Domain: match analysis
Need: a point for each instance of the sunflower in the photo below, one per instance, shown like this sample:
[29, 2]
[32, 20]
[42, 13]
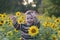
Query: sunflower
[33, 31]
[9, 33]
[54, 37]
[22, 17]
[20, 38]
[8, 18]
[10, 22]
[4, 16]
[57, 20]
[15, 30]
[20, 21]
[2, 22]
[39, 16]
[0, 15]
[48, 18]
[58, 33]
[47, 24]
[54, 26]
[24, 21]
[18, 13]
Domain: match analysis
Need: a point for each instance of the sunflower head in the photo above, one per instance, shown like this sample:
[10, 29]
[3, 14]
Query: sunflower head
[54, 37]
[2, 22]
[9, 33]
[10, 22]
[4, 16]
[20, 21]
[46, 24]
[0, 15]
[18, 13]
[57, 20]
[33, 31]
[15, 30]
[22, 17]
[54, 26]
[58, 33]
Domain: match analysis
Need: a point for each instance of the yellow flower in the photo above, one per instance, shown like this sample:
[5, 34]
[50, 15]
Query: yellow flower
[2, 22]
[20, 38]
[24, 21]
[15, 30]
[33, 31]
[58, 33]
[10, 22]
[18, 13]
[57, 20]
[54, 26]
[47, 24]
[0, 15]
[20, 21]
[48, 18]
[54, 37]
[22, 17]
[39, 16]
[9, 33]
[4, 16]
[8, 18]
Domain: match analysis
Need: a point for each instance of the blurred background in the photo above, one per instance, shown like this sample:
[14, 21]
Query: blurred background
[46, 7]
[49, 18]
[19, 5]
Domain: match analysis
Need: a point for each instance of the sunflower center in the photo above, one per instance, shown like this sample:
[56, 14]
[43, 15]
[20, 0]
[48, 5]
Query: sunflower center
[0, 15]
[20, 21]
[3, 16]
[33, 31]
[54, 38]
[18, 13]
[1, 21]
[57, 20]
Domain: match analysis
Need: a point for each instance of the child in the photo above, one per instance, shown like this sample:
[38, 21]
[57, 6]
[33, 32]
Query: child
[30, 20]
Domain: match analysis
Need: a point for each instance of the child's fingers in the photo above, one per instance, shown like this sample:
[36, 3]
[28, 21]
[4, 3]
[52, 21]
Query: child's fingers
[12, 17]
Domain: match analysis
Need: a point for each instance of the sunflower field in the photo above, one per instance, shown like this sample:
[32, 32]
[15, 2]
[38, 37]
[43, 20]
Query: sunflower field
[49, 27]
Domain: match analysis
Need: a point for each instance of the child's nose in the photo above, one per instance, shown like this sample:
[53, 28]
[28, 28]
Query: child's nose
[29, 19]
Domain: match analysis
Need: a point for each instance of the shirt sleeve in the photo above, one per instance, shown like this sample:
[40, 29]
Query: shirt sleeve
[17, 26]
[24, 28]
[38, 24]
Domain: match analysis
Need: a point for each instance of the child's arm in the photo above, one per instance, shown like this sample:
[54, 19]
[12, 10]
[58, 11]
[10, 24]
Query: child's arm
[15, 24]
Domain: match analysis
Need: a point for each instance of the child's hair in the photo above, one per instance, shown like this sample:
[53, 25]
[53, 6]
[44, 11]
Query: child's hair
[30, 11]
[33, 13]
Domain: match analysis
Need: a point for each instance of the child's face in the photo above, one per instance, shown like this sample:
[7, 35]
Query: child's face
[29, 19]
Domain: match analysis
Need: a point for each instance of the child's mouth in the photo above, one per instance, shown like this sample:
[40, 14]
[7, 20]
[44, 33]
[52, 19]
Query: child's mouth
[29, 22]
